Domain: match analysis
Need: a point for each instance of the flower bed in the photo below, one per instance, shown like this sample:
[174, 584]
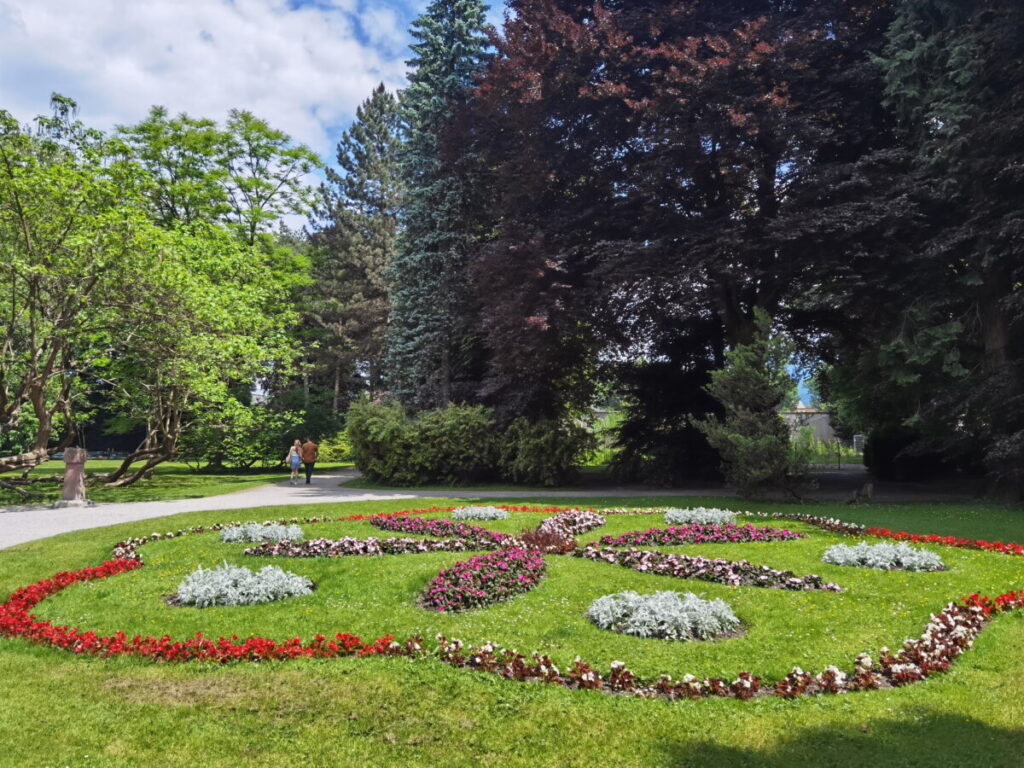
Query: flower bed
[479, 513]
[703, 515]
[234, 585]
[735, 573]
[572, 522]
[697, 533]
[669, 615]
[884, 556]
[484, 538]
[352, 547]
[257, 532]
[949, 541]
[484, 580]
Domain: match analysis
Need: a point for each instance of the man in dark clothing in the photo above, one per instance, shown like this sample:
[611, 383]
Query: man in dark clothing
[308, 452]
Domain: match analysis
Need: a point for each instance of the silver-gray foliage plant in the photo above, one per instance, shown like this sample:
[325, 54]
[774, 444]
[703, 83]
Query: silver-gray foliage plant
[886, 556]
[671, 615]
[479, 513]
[701, 515]
[234, 585]
[259, 532]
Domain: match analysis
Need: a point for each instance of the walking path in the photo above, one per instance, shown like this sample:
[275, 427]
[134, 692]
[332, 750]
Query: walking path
[18, 527]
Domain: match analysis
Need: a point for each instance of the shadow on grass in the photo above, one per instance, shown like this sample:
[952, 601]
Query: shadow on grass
[936, 740]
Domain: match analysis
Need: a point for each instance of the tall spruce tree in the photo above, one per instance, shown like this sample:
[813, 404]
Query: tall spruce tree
[355, 243]
[431, 321]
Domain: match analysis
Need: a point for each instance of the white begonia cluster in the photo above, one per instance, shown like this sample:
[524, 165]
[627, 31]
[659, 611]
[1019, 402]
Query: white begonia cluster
[234, 585]
[671, 615]
[257, 533]
[699, 515]
[886, 556]
[479, 513]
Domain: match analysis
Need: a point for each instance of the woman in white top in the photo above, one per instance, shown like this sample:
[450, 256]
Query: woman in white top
[294, 460]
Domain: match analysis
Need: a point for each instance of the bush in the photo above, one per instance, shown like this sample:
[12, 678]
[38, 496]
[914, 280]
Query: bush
[885, 556]
[336, 448]
[450, 445]
[702, 515]
[257, 532]
[479, 513]
[670, 615]
[542, 452]
[235, 585]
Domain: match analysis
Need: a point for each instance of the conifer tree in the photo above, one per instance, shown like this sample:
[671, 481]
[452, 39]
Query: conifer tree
[356, 241]
[431, 321]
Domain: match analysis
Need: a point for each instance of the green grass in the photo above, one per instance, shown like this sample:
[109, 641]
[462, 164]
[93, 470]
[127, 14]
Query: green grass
[381, 712]
[172, 480]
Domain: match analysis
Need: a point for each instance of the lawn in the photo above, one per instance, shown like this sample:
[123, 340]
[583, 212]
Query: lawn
[172, 480]
[85, 711]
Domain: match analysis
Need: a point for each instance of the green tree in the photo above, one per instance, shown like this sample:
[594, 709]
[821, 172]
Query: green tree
[751, 436]
[431, 315]
[355, 243]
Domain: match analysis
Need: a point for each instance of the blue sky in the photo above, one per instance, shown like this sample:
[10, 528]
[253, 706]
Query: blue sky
[303, 65]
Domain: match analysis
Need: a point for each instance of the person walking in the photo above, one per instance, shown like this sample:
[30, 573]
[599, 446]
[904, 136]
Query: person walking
[309, 452]
[294, 460]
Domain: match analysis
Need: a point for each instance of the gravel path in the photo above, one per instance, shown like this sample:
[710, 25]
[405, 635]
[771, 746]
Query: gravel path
[20, 526]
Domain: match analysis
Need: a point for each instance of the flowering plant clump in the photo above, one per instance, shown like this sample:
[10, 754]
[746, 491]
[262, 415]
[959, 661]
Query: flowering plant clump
[949, 541]
[700, 533]
[830, 524]
[484, 538]
[479, 513]
[257, 532]
[670, 615]
[733, 572]
[483, 580]
[235, 585]
[884, 556]
[550, 541]
[352, 547]
[699, 515]
[572, 522]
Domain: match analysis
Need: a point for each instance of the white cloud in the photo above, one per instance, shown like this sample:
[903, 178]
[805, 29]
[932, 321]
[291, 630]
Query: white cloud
[303, 69]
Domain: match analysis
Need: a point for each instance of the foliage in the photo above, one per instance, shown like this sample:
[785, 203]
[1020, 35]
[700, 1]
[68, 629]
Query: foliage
[479, 513]
[701, 515]
[669, 615]
[542, 452]
[259, 532]
[335, 448]
[235, 585]
[237, 435]
[885, 556]
[751, 437]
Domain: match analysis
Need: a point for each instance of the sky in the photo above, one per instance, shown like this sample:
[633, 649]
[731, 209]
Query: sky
[302, 65]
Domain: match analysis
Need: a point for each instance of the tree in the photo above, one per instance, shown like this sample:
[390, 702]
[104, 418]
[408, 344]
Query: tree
[79, 257]
[431, 340]
[751, 436]
[355, 244]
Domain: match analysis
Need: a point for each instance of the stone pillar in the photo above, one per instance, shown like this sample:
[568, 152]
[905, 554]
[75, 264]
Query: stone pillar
[73, 494]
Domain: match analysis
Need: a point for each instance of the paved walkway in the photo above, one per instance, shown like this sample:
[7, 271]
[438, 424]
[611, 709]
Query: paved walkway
[19, 527]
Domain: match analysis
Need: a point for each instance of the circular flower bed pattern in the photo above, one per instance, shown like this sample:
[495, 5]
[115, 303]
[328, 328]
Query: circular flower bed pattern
[949, 634]
[668, 615]
[479, 513]
[884, 556]
[234, 585]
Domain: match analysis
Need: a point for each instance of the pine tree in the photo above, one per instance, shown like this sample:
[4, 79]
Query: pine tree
[431, 320]
[356, 242]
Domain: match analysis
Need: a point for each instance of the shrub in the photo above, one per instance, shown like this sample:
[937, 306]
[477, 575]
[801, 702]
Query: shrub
[702, 515]
[335, 448]
[258, 532]
[670, 615]
[890, 557]
[483, 580]
[450, 445]
[479, 513]
[235, 585]
[542, 452]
